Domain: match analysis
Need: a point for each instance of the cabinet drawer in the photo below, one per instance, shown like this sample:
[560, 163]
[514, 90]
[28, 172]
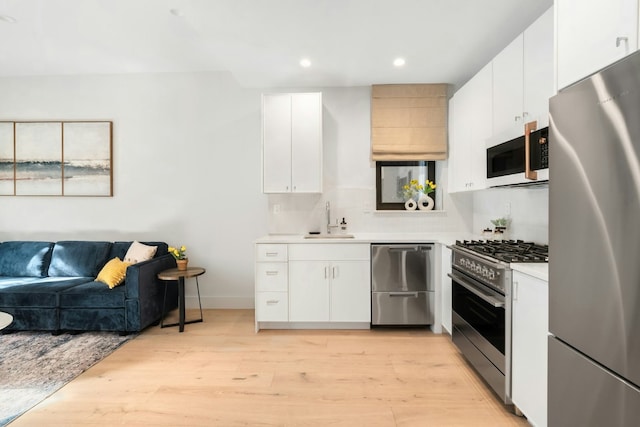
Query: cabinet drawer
[271, 252]
[272, 307]
[329, 252]
[271, 276]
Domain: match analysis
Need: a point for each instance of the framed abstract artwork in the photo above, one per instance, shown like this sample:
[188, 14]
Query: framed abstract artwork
[56, 158]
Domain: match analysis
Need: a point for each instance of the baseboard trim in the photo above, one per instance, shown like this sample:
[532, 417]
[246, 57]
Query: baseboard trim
[221, 302]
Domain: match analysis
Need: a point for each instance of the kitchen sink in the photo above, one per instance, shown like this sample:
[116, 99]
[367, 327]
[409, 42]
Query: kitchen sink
[328, 236]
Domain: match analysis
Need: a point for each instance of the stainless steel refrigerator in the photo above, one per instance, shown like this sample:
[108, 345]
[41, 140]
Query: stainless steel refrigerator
[594, 250]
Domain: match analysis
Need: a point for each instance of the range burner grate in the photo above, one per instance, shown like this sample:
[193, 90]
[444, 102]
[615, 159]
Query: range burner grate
[508, 250]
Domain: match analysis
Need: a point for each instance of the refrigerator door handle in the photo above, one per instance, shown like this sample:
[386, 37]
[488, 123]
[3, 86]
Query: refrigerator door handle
[528, 128]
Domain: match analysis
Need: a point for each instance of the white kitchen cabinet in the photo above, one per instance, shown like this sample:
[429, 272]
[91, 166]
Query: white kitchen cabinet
[508, 86]
[530, 327]
[523, 80]
[593, 34]
[470, 126]
[292, 143]
[446, 288]
[271, 283]
[329, 283]
[538, 70]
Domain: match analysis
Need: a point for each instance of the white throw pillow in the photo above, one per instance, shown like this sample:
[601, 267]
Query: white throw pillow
[138, 252]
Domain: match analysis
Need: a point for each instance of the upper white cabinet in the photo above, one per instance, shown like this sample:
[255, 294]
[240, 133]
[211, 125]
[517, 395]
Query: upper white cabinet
[529, 346]
[523, 79]
[538, 70]
[592, 35]
[470, 125]
[508, 86]
[292, 143]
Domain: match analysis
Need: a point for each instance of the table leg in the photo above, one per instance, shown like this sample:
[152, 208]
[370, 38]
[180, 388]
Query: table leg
[181, 302]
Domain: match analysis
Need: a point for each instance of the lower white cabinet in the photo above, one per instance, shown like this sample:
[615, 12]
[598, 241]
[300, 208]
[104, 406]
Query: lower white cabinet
[313, 283]
[530, 327]
[329, 283]
[329, 291]
[271, 283]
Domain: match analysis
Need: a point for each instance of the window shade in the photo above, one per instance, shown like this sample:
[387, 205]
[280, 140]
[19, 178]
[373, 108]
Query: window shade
[409, 122]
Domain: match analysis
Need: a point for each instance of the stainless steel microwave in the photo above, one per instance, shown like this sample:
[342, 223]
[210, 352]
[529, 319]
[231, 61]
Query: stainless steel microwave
[521, 160]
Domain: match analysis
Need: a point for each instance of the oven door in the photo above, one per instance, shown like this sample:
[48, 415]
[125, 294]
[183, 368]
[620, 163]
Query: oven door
[481, 331]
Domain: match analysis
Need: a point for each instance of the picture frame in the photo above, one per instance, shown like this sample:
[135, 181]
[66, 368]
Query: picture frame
[56, 158]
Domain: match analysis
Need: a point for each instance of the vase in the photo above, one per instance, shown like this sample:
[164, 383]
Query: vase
[182, 263]
[410, 205]
[425, 203]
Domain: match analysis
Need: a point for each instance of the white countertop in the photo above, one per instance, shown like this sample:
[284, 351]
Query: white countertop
[539, 270]
[446, 238]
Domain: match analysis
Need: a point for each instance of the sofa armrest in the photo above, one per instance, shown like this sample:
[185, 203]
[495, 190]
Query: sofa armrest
[142, 278]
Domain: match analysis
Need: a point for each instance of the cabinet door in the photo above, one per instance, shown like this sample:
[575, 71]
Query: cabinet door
[481, 86]
[446, 289]
[529, 346]
[306, 142]
[507, 87]
[538, 69]
[350, 291]
[309, 291]
[276, 143]
[459, 158]
[471, 127]
[590, 36]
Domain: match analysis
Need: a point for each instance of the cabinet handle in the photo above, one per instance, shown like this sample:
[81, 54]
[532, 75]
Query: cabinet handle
[334, 273]
[619, 40]
[272, 273]
[326, 272]
[271, 254]
[273, 302]
[528, 173]
[514, 291]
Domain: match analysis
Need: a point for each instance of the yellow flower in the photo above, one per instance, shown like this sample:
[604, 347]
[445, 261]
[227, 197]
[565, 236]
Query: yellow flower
[183, 248]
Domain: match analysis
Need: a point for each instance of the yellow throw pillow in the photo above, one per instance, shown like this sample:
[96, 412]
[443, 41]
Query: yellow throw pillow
[113, 273]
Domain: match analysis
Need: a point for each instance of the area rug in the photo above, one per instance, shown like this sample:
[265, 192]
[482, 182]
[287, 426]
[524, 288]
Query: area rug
[33, 365]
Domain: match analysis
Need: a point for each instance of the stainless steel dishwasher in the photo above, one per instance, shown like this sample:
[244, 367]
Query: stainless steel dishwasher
[402, 284]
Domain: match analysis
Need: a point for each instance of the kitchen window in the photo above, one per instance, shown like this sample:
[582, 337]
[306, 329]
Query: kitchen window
[391, 176]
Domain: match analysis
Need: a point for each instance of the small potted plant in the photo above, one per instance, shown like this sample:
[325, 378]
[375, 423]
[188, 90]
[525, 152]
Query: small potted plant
[180, 254]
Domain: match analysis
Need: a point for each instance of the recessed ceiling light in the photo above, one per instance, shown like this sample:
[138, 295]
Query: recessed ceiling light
[9, 19]
[176, 12]
[399, 62]
[305, 63]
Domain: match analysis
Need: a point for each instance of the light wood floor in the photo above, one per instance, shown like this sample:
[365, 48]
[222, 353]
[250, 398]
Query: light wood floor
[221, 373]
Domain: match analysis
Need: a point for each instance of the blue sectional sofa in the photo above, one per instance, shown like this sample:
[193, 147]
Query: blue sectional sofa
[49, 286]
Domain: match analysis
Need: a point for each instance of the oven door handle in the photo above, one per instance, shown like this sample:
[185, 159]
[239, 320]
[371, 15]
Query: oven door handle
[486, 297]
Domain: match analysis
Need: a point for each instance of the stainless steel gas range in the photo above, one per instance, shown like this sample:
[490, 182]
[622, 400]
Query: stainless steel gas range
[481, 304]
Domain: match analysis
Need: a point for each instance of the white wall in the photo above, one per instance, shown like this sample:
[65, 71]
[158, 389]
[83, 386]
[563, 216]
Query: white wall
[526, 207]
[186, 156]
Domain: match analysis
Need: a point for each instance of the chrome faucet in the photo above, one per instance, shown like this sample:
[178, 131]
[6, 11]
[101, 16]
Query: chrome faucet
[329, 225]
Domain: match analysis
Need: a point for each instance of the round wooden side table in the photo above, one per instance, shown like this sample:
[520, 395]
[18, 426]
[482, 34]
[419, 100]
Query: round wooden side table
[174, 274]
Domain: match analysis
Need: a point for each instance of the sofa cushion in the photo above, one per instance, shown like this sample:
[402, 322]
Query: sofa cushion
[139, 252]
[113, 273]
[92, 295]
[119, 249]
[25, 259]
[78, 258]
[30, 292]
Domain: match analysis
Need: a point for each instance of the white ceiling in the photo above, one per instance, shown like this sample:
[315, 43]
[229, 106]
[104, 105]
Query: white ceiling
[260, 42]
